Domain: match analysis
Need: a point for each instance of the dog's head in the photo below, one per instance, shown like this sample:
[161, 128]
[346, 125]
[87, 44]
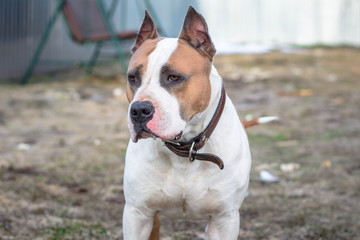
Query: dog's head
[168, 78]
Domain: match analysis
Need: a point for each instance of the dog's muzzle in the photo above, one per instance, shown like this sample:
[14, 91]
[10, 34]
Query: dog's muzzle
[141, 112]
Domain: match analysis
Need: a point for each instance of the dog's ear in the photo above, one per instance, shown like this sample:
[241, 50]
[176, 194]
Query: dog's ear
[146, 31]
[195, 32]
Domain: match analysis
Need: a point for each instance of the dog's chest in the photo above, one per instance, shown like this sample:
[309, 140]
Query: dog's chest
[192, 196]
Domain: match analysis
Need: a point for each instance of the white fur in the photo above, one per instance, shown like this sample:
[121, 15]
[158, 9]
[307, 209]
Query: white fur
[156, 180]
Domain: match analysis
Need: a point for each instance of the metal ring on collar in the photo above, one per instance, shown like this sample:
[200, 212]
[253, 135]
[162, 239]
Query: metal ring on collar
[191, 152]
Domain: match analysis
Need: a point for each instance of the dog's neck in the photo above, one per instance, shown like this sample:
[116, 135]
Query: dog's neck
[200, 121]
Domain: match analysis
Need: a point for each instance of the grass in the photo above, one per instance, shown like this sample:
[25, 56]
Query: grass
[266, 138]
[67, 187]
[76, 230]
[331, 134]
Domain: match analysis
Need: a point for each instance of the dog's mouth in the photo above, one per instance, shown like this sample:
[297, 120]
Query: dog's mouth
[143, 132]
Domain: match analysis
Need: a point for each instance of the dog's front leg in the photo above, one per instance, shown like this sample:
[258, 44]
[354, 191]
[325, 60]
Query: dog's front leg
[137, 225]
[224, 227]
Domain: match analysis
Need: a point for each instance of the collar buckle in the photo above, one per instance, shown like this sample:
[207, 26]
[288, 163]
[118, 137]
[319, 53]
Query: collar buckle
[191, 152]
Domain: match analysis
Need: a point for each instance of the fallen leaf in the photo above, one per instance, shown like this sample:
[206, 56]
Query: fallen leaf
[301, 92]
[338, 100]
[326, 163]
[265, 166]
[289, 143]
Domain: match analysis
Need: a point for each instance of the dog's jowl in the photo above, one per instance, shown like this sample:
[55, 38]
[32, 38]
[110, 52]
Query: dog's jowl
[188, 157]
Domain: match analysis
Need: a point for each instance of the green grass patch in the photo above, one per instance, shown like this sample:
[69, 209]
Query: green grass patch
[267, 139]
[331, 134]
[77, 230]
[181, 237]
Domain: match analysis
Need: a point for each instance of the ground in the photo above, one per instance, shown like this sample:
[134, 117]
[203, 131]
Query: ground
[64, 137]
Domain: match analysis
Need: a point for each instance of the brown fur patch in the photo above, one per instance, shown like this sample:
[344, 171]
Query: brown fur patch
[155, 233]
[194, 93]
[140, 57]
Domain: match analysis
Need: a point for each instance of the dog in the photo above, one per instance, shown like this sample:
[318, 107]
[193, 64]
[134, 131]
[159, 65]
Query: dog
[189, 156]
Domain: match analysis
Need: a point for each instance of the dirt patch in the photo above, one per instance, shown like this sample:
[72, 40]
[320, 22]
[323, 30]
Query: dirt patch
[63, 145]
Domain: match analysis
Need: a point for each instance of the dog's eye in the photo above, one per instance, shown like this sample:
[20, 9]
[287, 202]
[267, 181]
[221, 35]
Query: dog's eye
[132, 78]
[173, 78]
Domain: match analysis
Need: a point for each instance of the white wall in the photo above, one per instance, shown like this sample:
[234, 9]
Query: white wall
[284, 21]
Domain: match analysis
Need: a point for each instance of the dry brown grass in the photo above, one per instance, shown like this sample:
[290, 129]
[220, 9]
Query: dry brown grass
[68, 185]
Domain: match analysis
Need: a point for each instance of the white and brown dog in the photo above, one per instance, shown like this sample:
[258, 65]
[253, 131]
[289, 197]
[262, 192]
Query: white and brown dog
[181, 113]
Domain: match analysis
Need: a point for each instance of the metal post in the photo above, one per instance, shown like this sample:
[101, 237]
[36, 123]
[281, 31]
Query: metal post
[114, 38]
[98, 46]
[42, 43]
[113, 6]
[94, 57]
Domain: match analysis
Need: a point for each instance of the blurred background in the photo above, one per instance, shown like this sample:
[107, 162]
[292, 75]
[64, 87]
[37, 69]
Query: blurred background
[63, 108]
[296, 22]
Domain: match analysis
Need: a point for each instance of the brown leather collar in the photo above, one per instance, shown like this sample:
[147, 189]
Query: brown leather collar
[189, 149]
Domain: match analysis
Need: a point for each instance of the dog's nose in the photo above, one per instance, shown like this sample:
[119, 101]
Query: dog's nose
[141, 111]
